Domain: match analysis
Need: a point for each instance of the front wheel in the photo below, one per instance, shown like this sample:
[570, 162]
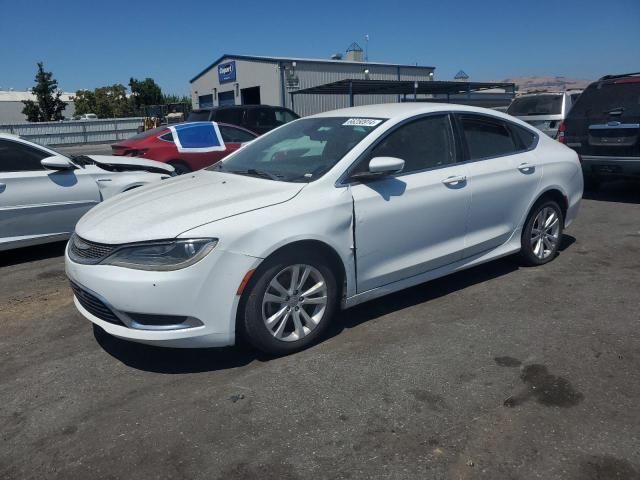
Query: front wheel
[290, 304]
[542, 233]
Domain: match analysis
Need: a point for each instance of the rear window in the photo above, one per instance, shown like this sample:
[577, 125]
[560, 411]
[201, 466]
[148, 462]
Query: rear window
[199, 116]
[599, 99]
[544, 104]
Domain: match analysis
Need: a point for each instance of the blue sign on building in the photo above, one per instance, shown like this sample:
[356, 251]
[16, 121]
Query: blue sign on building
[227, 72]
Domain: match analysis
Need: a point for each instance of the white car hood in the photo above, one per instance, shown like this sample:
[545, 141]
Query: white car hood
[132, 163]
[166, 209]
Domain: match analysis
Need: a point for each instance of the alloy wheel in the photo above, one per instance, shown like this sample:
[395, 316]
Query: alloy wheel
[294, 302]
[545, 233]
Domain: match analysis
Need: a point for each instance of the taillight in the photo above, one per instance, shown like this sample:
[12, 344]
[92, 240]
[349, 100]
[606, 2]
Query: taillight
[561, 130]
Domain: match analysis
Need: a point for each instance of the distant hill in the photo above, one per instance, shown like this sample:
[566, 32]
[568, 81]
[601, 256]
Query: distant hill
[531, 84]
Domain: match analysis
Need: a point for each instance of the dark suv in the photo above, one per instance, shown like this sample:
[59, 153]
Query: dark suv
[604, 128]
[257, 118]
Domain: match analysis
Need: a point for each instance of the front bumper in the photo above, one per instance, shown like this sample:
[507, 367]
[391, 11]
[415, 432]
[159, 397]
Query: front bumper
[611, 166]
[200, 301]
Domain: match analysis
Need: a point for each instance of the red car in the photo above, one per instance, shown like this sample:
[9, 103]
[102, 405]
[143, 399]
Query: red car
[157, 144]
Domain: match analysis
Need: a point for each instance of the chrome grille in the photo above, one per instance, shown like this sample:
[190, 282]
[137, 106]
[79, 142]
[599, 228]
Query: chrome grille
[84, 251]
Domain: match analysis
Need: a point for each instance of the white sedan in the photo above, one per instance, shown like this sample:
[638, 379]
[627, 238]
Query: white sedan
[320, 214]
[44, 193]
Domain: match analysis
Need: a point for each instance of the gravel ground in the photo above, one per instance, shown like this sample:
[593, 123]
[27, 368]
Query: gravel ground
[499, 372]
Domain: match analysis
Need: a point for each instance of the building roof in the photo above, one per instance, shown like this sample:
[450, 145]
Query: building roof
[19, 96]
[400, 87]
[259, 58]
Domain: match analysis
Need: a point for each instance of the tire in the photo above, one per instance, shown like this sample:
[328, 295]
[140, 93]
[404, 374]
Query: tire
[180, 166]
[538, 249]
[294, 324]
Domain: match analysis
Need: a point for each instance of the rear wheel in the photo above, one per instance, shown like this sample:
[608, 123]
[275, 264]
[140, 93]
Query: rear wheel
[290, 304]
[542, 233]
[180, 166]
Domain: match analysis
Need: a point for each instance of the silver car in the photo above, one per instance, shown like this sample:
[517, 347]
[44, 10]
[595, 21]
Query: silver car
[544, 111]
[43, 193]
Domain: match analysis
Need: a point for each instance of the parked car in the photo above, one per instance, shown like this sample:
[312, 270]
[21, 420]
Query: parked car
[43, 193]
[158, 144]
[604, 128]
[324, 213]
[256, 118]
[86, 116]
[545, 111]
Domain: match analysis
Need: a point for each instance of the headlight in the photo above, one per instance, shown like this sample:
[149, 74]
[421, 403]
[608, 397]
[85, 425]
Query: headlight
[170, 255]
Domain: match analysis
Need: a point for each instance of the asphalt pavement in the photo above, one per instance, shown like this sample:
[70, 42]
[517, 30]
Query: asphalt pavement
[498, 372]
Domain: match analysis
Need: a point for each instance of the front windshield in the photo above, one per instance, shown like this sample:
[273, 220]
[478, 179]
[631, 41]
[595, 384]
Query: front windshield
[301, 151]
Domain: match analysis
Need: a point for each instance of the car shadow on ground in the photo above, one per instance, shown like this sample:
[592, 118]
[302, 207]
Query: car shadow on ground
[197, 360]
[32, 254]
[620, 191]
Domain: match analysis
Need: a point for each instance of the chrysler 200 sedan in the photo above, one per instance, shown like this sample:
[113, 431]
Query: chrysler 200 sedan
[320, 214]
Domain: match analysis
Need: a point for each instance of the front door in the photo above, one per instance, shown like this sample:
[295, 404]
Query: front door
[35, 202]
[412, 222]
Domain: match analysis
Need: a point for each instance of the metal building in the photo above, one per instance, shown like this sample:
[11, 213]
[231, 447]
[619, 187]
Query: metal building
[248, 79]
[11, 105]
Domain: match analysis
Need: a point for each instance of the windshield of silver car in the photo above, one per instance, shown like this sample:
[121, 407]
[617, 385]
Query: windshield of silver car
[301, 151]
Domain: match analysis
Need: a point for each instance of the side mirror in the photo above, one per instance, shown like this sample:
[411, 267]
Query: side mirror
[57, 162]
[379, 167]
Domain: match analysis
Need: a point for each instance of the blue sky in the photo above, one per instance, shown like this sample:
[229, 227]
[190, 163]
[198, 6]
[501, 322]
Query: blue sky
[91, 43]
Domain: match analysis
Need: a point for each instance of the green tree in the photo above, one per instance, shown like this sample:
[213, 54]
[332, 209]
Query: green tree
[84, 102]
[145, 92]
[106, 102]
[48, 105]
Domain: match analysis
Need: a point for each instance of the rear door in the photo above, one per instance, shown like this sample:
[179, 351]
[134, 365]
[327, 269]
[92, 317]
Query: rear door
[35, 202]
[503, 173]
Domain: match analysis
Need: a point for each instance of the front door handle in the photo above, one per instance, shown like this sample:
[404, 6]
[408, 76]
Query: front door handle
[454, 180]
[526, 167]
[2, 187]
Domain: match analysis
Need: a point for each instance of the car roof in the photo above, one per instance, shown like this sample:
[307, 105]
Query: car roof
[404, 110]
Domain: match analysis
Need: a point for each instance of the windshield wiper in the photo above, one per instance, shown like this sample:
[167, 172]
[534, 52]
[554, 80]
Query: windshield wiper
[255, 173]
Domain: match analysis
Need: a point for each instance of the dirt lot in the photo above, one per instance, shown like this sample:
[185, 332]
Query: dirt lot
[499, 372]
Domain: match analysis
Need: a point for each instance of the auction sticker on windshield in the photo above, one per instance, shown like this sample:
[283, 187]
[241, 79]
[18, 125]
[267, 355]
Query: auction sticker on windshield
[363, 122]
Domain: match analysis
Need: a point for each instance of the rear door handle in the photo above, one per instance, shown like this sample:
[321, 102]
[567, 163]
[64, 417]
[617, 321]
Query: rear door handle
[454, 180]
[526, 167]
[2, 187]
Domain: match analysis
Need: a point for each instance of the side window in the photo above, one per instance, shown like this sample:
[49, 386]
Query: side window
[284, 116]
[167, 137]
[525, 137]
[232, 116]
[235, 135]
[422, 144]
[262, 118]
[487, 137]
[18, 157]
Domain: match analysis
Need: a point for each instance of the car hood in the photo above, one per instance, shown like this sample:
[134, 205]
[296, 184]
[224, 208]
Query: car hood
[112, 163]
[166, 209]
